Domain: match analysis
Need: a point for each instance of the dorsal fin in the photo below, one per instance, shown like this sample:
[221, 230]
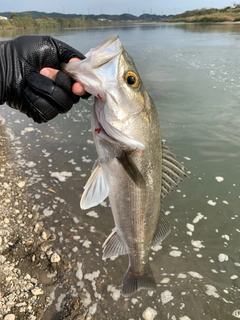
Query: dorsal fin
[172, 171]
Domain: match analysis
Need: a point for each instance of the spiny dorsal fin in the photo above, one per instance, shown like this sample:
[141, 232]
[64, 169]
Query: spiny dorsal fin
[172, 171]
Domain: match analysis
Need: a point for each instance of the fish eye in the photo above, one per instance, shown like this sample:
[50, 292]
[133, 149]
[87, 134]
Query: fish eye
[132, 79]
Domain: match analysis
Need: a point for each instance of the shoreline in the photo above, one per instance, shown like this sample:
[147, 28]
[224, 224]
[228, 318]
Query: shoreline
[30, 268]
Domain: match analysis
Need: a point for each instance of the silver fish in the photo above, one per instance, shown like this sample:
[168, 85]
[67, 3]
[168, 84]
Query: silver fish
[133, 169]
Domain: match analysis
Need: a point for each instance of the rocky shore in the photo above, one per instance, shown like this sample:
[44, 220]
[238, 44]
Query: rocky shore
[30, 269]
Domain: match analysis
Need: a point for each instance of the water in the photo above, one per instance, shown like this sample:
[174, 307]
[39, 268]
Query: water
[192, 74]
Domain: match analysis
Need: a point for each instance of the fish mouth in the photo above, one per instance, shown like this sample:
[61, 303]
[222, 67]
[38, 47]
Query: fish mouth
[108, 132]
[107, 51]
[97, 127]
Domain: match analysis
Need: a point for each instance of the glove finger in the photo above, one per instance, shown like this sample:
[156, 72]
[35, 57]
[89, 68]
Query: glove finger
[62, 97]
[39, 109]
[66, 52]
[65, 82]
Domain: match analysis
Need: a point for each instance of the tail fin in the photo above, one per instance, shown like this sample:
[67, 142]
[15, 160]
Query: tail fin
[133, 282]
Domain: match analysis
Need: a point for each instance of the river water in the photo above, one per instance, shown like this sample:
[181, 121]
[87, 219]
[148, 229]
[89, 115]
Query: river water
[192, 74]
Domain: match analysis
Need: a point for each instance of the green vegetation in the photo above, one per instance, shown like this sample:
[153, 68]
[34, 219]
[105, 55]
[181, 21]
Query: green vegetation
[35, 19]
[228, 14]
[26, 21]
[40, 20]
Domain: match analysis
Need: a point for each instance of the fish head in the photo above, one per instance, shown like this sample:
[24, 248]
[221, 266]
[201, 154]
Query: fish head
[126, 106]
[109, 73]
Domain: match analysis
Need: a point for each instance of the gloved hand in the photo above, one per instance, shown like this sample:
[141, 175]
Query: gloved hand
[22, 86]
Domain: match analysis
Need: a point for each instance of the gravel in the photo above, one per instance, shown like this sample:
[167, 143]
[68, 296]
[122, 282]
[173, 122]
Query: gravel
[27, 254]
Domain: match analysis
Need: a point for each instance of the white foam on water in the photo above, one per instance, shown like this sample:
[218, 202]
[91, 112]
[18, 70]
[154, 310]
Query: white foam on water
[182, 276]
[211, 203]
[149, 313]
[86, 244]
[212, 291]
[93, 309]
[236, 314]
[197, 243]
[59, 302]
[225, 236]
[30, 164]
[175, 253]
[166, 296]
[84, 159]
[66, 173]
[199, 217]
[219, 179]
[157, 247]
[134, 300]
[90, 141]
[195, 275]
[47, 212]
[114, 293]
[29, 129]
[72, 161]
[190, 227]
[79, 273]
[92, 214]
[214, 271]
[61, 176]
[75, 219]
[222, 257]
[92, 276]
[165, 280]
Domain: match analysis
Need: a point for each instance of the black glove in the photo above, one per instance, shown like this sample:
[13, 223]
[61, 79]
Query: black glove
[22, 86]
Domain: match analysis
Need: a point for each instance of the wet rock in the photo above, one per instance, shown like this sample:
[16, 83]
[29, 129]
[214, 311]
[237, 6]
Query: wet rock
[55, 257]
[21, 184]
[37, 291]
[9, 317]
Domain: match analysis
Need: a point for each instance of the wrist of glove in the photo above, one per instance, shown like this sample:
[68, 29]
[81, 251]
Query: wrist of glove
[22, 86]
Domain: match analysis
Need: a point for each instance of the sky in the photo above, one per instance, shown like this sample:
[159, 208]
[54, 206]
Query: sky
[135, 7]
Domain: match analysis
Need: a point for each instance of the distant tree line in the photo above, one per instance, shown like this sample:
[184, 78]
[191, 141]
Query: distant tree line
[35, 19]
[230, 14]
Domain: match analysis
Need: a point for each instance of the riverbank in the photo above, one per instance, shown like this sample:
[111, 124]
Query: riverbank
[213, 15]
[31, 270]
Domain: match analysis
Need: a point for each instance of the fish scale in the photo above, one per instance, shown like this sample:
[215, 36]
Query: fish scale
[133, 168]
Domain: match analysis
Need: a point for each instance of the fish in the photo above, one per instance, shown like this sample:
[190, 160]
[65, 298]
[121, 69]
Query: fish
[134, 169]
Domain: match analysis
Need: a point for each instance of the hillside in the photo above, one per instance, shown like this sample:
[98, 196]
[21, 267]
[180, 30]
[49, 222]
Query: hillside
[57, 15]
[227, 14]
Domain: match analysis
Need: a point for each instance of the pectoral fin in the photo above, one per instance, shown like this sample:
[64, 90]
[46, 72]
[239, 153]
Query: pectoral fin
[96, 189]
[131, 169]
[163, 229]
[113, 245]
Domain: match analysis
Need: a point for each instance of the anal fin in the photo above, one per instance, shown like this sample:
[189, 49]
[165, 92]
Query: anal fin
[113, 245]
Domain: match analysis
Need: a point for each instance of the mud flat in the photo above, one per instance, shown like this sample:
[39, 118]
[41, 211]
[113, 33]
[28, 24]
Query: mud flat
[30, 268]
